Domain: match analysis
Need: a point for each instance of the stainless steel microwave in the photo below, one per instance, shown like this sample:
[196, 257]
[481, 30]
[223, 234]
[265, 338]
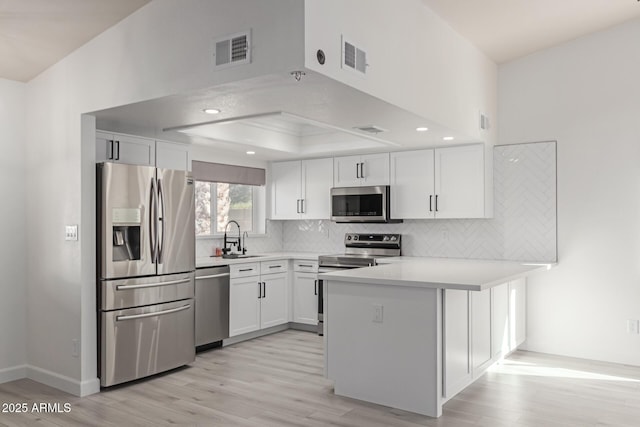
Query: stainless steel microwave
[361, 204]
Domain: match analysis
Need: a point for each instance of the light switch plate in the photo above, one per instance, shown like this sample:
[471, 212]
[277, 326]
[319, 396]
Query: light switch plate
[71, 232]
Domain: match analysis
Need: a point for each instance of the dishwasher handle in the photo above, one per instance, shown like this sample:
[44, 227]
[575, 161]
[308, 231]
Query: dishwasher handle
[212, 276]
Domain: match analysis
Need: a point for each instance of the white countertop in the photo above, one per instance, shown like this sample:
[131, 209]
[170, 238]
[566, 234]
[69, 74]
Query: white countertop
[445, 273]
[202, 262]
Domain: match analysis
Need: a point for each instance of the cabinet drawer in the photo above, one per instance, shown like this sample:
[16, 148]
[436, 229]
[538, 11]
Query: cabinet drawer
[305, 266]
[244, 270]
[278, 266]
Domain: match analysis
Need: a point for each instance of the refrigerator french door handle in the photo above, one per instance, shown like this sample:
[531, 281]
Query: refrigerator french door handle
[152, 220]
[162, 226]
[154, 314]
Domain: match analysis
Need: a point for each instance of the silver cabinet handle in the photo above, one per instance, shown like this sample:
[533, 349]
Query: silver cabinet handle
[259, 290]
[154, 314]
[246, 269]
[151, 285]
[436, 203]
[430, 200]
[110, 149]
[117, 150]
[305, 265]
[357, 170]
[212, 276]
[315, 287]
[362, 170]
[264, 289]
[275, 266]
[301, 205]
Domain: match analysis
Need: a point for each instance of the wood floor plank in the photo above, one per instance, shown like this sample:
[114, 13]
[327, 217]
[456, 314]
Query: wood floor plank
[277, 380]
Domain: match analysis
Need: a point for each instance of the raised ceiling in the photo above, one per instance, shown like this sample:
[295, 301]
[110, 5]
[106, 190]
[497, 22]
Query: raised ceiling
[508, 29]
[35, 34]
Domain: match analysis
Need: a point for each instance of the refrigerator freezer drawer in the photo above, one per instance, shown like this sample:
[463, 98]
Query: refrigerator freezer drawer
[143, 341]
[126, 293]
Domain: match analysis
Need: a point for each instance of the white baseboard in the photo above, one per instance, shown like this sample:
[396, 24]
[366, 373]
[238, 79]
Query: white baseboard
[13, 373]
[62, 382]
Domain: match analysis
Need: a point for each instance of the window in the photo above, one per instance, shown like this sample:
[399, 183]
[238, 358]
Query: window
[219, 203]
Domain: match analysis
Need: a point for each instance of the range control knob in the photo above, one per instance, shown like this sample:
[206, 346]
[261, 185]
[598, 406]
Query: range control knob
[349, 237]
[355, 237]
[394, 238]
[385, 239]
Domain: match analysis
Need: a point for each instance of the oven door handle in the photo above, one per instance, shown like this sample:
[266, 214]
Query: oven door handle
[154, 314]
[151, 285]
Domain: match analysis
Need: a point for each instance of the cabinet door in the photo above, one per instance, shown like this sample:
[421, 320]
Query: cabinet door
[244, 305]
[134, 151]
[517, 312]
[173, 156]
[274, 303]
[481, 330]
[285, 190]
[459, 181]
[346, 171]
[500, 321]
[305, 298]
[412, 187]
[317, 180]
[104, 147]
[375, 169]
[457, 366]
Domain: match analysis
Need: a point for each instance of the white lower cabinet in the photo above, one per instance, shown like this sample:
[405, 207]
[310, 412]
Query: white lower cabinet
[480, 328]
[244, 305]
[258, 301]
[273, 303]
[305, 298]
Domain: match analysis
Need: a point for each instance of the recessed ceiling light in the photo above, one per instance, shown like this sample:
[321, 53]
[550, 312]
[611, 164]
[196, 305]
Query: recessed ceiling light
[422, 129]
[251, 153]
[448, 138]
[211, 111]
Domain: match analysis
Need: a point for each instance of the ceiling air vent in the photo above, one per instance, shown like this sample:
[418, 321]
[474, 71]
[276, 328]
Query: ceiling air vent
[353, 57]
[371, 129]
[233, 50]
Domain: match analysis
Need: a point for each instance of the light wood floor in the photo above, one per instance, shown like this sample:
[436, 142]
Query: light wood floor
[277, 381]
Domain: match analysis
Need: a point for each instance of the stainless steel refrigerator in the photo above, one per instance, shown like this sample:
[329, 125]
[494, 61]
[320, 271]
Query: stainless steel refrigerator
[146, 264]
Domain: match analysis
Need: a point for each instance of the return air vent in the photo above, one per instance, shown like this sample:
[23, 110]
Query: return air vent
[233, 50]
[353, 57]
[371, 129]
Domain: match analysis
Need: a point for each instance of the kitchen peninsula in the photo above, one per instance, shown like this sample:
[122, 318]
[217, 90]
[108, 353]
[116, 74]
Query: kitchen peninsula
[413, 332]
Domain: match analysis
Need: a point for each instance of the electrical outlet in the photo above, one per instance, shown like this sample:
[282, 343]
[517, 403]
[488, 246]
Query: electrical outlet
[633, 326]
[71, 232]
[75, 348]
[377, 313]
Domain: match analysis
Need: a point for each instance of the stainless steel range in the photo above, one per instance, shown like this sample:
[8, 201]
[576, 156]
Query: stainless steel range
[361, 250]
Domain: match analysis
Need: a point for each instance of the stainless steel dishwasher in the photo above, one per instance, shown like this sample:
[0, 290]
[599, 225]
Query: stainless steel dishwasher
[212, 306]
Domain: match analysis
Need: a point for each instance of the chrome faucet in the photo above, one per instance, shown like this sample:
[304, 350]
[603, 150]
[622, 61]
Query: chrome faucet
[231, 240]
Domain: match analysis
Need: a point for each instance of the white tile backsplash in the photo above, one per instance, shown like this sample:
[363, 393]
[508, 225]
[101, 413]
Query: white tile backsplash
[523, 227]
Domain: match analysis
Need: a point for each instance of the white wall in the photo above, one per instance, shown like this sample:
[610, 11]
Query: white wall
[13, 285]
[162, 49]
[416, 60]
[585, 94]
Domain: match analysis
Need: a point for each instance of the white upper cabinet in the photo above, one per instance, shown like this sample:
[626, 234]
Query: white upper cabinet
[412, 184]
[438, 183]
[133, 150]
[460, 188]
[170, 155]
[300, 189]
[355, 171]
[125, 149]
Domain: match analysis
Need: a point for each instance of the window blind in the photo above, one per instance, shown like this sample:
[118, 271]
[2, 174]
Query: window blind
[232, 174]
